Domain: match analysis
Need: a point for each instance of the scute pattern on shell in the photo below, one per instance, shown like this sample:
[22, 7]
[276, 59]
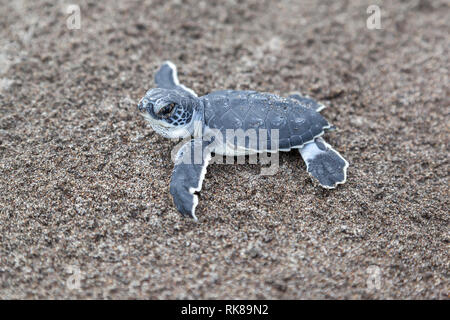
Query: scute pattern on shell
[297, 123]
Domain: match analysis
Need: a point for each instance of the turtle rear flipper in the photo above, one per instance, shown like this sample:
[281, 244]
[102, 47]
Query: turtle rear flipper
[308, 102]
[324, 163]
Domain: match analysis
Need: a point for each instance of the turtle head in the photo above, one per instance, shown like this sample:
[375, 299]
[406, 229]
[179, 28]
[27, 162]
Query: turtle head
[171, 112]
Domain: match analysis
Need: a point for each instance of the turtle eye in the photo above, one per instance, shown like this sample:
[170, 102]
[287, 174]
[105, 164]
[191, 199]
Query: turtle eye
[167, 110]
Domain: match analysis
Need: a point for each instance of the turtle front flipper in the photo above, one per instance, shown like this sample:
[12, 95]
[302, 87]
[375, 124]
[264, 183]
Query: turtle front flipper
[188, 174]
[167, 78]
[324, 163]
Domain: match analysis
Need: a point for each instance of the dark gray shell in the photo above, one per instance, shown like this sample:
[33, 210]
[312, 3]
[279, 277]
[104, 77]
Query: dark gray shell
[296, 122]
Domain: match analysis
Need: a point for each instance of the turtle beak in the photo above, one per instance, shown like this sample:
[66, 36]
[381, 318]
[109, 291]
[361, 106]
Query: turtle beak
[141, 106]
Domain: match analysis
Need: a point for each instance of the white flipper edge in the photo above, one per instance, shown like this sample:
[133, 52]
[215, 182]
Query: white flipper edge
[324, 163]
[175, 77]
[188, 176]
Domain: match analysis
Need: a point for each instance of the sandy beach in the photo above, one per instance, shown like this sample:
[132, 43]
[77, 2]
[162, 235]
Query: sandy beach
[85, 208]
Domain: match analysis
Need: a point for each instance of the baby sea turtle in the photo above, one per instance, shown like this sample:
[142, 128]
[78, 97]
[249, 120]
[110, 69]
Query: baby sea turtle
[175, 111]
